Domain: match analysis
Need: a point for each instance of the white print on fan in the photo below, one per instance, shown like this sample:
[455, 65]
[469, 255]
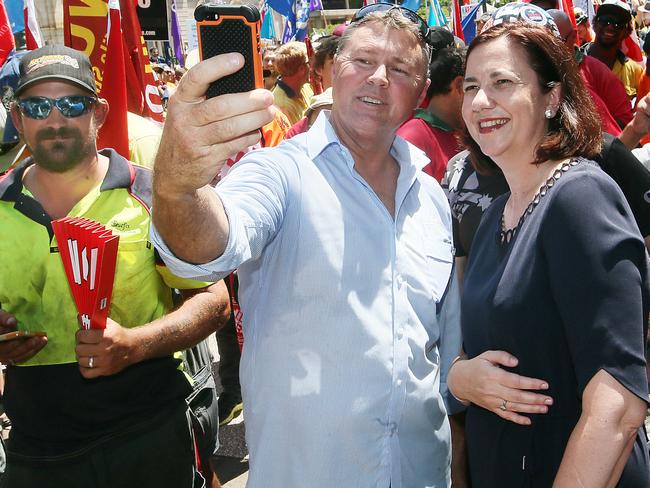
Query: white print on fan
[80, 264]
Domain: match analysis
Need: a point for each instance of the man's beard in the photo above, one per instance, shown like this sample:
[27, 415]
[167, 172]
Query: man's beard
[60, 157]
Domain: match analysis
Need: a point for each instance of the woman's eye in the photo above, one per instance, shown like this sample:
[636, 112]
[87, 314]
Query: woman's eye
[503, 82]
[470, 88]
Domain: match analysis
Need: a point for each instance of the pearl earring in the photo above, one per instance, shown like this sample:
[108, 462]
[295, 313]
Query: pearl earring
[549, 113]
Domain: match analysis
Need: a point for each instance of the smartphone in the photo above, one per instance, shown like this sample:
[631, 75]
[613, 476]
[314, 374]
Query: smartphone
[20, 334]
[231, 28]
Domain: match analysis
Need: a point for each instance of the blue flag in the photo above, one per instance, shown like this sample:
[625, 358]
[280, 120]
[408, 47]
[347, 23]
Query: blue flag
[469, 23]
[268, 28]
[437, 17]
[411, 4]
[295, 28]
[283, 7]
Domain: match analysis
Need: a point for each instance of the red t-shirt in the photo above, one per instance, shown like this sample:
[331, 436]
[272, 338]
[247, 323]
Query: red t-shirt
[438, 144]
[602, 81]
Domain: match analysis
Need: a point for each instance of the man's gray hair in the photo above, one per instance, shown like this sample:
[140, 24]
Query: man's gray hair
[393, 19]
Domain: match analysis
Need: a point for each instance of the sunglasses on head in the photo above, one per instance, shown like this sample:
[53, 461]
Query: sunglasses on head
[383, 7]
[613, 21]
[70, 106]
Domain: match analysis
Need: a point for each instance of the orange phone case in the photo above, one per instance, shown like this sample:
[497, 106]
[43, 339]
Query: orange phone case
[231, 28]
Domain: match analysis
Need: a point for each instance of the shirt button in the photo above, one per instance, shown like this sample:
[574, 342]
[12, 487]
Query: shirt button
[400, 332]
[398, 382]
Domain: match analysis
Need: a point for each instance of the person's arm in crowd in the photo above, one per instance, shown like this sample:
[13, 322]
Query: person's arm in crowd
[198, 137]
[639, 126]
[113, 349]
[601, 442]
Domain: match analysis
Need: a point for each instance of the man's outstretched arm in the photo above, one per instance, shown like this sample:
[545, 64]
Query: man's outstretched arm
[199, 136]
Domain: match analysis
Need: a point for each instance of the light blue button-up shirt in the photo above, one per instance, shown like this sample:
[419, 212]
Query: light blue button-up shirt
[346, 335]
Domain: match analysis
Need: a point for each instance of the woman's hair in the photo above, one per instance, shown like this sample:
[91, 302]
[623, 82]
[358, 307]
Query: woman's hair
[575, 130]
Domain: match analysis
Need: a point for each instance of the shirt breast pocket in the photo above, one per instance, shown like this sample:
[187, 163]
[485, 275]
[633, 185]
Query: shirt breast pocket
[436, 263]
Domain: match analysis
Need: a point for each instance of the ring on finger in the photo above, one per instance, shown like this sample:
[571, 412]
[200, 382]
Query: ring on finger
[504, 405]
[91, 362]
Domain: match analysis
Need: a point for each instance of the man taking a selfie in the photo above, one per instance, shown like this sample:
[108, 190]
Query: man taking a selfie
[344, 254]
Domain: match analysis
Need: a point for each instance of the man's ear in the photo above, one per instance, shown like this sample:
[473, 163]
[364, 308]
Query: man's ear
[335, 65]
[424, 92]
[457, 84]
[100, 111]
[16, 117]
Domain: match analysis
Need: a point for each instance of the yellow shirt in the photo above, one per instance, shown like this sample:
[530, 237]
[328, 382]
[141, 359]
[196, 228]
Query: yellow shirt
[630, 73]
[292, 104]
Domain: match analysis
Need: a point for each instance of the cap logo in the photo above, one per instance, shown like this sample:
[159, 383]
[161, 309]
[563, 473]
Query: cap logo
[49, 59]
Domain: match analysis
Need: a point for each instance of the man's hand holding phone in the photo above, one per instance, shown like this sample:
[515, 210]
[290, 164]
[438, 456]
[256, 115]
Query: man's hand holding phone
[200, 134]
[21, 348]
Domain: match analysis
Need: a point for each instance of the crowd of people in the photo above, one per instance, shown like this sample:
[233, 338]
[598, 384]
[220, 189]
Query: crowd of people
[434, 256]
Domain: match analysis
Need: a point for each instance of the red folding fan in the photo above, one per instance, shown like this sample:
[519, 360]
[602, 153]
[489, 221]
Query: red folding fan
[89, 254]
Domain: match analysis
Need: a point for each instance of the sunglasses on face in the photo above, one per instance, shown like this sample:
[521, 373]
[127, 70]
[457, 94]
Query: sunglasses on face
[613, 21]
[70, 106]
[383, 7]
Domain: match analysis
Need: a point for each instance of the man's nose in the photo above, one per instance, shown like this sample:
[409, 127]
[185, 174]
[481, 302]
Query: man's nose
[380, 75]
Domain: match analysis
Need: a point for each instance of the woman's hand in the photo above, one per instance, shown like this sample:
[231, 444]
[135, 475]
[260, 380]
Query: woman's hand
[482, 382]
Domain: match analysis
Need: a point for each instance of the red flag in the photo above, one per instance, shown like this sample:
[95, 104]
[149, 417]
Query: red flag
[7, 43]
[114, 132]
[142, 92]
[458, 20]
[567, 7]
[631, 47]
[86, 30]
[33, 37]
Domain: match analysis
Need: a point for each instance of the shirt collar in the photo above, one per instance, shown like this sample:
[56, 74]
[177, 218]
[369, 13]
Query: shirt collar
[322, 134]
[287, 89]
[432, 120]
[119, 175]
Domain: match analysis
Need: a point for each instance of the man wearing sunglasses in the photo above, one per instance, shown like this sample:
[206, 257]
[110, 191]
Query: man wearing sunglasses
[344, 254]
[612, 25]
[89, 408]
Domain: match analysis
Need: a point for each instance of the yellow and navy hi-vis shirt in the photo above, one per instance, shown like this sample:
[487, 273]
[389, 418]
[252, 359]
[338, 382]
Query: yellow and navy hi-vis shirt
[33, 287]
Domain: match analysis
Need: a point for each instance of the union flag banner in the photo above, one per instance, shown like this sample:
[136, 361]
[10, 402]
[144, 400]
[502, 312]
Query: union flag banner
[33, 37]
[90, 28]
[142, 92]
[7, 43]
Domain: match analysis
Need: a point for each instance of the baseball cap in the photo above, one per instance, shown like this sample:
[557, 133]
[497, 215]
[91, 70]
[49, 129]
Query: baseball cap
[440, 38]
[615, 7]
[56, 62]
[522, 12]
[322, 100]
[580, 15]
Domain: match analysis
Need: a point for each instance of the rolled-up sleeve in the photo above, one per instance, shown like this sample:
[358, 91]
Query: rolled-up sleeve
[255, 197]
